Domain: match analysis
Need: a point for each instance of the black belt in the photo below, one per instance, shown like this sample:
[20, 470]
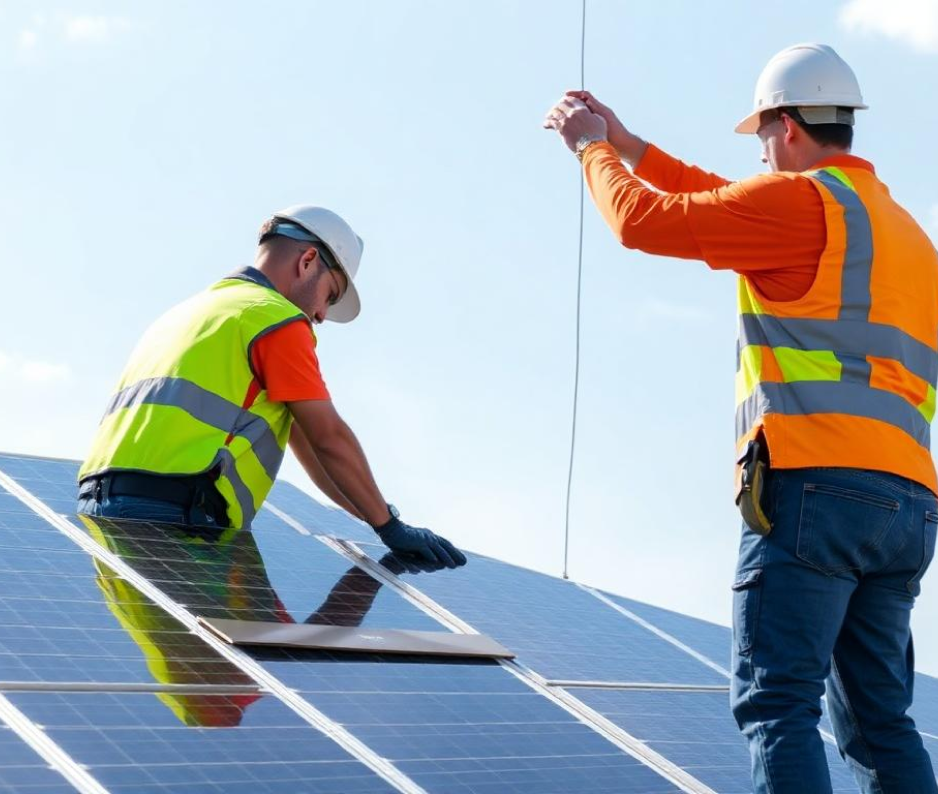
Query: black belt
[189, 491]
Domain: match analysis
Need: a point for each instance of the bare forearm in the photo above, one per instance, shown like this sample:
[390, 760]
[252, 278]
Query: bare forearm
[312, 466]
[344, 462]
[630, 147]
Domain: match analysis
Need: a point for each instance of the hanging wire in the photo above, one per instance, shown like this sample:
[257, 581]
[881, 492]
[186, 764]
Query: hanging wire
[579, 287]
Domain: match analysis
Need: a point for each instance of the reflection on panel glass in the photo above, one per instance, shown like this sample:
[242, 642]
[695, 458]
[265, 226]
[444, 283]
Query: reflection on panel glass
[130, 743]
[61, 620]
[22, 770]
[559, 630]
[696, 731]
[224, 574]
[710, 639]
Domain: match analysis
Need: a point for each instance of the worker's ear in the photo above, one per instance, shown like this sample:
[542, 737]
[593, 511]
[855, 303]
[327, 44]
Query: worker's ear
[791, 129]
[307, 261]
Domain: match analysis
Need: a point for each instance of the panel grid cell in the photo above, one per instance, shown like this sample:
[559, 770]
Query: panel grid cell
[205, 743]
[556, 628]
[23, 771]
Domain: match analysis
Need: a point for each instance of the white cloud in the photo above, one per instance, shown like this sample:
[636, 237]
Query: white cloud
[17, 367]
[912, 21]
[93, 29]
[26, 39]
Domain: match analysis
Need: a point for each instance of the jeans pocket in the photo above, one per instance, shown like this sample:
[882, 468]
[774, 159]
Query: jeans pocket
[930, 529]
[747, 597]
[842, 529]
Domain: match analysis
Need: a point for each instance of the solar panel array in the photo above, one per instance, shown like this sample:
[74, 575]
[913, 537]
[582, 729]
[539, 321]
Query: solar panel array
[108, 683]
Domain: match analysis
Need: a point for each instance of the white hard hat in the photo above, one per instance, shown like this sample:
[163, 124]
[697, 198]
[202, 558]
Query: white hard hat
[806, 75]
[344, 245]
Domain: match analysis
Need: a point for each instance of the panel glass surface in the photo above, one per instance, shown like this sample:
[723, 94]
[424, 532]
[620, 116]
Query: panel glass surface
[461, 727]
[925, 708]
[557, 629]
[696, 731]
[66, 617]
[52, 481]
[236, 745]
[269, 574]
[709, 639]
[22, 770]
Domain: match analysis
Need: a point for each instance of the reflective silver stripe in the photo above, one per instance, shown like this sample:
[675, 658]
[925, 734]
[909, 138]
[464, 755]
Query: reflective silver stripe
[855, 299]
[832, 397]
[242, 492]
[848, 338]
[208, 408]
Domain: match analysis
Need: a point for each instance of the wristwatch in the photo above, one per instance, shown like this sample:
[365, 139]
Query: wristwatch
[583, 143]
[395, 513]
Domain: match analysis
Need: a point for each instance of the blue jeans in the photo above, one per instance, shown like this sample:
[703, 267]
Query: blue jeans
[826, 598]
[141, 508]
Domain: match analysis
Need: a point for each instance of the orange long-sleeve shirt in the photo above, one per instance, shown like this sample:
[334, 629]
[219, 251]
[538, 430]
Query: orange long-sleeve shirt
[769, 227]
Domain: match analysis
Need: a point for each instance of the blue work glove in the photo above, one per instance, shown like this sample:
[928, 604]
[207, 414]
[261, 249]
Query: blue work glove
[401, 537]
[398, 563]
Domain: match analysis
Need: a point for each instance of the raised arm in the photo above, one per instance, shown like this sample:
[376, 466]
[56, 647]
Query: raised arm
[764, 227]
[647, 161]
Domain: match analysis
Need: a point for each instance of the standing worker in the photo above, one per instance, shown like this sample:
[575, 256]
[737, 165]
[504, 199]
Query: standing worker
[198, 425]
[835, 392]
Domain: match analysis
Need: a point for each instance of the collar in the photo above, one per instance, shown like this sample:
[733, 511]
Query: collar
[844, 161]
[253, 275]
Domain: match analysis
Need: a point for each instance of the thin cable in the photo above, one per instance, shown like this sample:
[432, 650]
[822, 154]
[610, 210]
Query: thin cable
[579, 289]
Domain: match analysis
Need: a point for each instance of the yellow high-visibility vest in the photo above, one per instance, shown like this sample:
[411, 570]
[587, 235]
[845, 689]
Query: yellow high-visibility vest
[188, 401]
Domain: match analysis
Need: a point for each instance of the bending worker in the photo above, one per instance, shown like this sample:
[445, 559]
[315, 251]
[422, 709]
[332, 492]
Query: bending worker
[198, 425]
[835, 391]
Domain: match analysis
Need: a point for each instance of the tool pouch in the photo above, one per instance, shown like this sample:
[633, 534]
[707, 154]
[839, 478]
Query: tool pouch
[751, 470]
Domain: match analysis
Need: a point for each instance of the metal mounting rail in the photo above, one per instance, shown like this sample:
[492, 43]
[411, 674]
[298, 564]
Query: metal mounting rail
[640, 686]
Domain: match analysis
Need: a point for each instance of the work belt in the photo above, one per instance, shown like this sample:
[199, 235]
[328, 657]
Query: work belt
[752, 468]
[196, 492]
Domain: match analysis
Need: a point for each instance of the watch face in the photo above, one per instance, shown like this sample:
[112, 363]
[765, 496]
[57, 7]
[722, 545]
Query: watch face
[395, 513]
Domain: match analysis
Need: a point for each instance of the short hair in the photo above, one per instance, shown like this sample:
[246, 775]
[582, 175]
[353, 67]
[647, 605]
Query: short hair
[839, 135]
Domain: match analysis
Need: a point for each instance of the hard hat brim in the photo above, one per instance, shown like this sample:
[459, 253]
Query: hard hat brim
[346, 309]
[750, 124]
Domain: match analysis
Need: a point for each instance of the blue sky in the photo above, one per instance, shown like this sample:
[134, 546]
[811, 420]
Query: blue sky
[143, 144]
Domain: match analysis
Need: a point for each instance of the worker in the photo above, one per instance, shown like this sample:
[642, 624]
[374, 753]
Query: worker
[219, 385]
[835, 391]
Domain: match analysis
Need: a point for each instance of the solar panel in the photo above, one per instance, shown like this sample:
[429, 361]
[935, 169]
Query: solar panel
[99, 645]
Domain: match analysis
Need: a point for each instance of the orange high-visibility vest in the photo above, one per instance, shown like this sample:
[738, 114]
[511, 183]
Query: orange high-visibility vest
[845, 375]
